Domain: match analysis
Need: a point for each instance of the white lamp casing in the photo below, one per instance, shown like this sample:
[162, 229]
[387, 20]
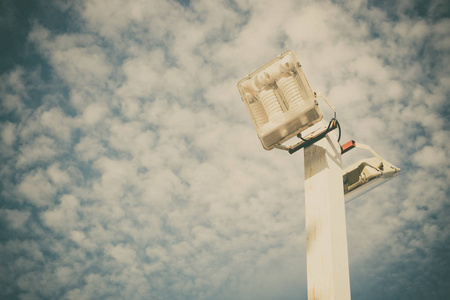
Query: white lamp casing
[279, 100]
[367, 174]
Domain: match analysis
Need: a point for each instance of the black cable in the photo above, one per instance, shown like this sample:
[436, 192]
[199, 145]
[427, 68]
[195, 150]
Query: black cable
[331, 123]
[339, 126]
[300, 137]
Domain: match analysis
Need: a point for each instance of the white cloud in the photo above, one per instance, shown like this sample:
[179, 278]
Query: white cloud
[57, 176]
[80, 238]
[94, 113]
[14, 80]
[157, 253]
[37, 189]
[94, 286]
[8, 134]
[13, 91]
[429, 157]
[64, 216]
[57, 123]
[89, 148]
[144, 74]
[64, 275]
[42, 149]
[123, 254]
[76, 57]
[16, 218]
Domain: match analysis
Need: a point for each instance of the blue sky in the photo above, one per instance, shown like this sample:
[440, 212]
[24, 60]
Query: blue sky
[131, 170]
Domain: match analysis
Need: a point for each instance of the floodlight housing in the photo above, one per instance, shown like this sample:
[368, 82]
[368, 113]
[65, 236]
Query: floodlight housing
[279, 100]
[366, 174]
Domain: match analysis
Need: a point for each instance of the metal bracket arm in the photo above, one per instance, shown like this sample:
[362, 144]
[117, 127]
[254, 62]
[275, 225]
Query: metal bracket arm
[352, 144]
[314, 138]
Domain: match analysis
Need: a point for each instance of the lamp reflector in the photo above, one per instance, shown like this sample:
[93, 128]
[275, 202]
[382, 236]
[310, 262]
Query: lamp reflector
[366, 175]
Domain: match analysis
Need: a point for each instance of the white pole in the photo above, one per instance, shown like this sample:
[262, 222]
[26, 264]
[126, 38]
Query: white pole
[326, 235]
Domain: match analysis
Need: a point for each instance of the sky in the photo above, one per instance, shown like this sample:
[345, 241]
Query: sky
[130, 168]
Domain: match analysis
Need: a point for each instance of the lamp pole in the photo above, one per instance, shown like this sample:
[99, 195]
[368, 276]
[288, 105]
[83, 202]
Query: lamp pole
[283, 105]
[326, 235]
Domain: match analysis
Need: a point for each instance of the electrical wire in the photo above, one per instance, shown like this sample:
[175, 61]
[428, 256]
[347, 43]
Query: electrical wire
[339, 127]
[300, 137]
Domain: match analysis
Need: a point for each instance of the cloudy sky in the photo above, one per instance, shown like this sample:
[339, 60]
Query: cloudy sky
[130, 168]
